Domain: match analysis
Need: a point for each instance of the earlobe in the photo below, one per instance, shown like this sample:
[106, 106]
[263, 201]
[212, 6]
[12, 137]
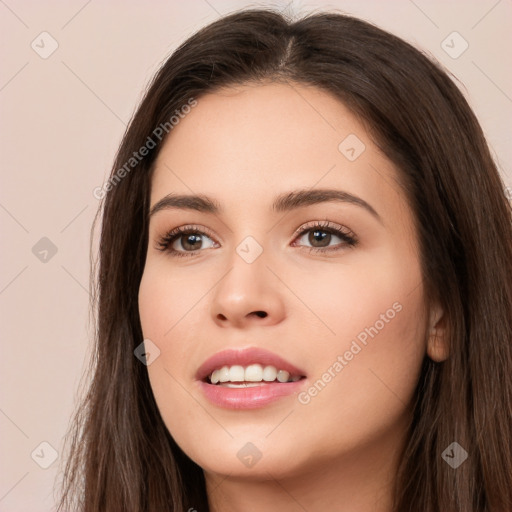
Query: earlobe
[437, 345]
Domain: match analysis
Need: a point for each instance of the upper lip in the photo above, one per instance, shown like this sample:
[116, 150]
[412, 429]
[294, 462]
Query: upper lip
[245, 357]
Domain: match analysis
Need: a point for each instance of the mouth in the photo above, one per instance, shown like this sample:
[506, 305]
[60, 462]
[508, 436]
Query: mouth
[238, 376]
[250, 366]
[248, 378]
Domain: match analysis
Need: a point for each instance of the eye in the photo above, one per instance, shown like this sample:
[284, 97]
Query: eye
[188, 237]
[320, 235]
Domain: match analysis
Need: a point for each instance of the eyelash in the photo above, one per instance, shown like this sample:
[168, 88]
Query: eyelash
[349, 238]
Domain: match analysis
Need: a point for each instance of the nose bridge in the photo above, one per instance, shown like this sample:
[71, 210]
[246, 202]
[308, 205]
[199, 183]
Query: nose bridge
[247, 275]
[249, 289]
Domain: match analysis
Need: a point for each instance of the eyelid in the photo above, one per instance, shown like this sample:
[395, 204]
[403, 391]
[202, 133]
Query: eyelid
[347, 235]
[180, 230]
[191, 227]
[324, 224]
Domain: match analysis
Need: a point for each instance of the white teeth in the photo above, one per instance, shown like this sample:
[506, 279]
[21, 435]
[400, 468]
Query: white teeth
[252, 373]
[283, 376]
[269, 374]
[237, 373]
[214, 377]
[224, 374]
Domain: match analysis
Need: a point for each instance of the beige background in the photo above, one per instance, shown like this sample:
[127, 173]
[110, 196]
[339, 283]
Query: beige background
[62, 118]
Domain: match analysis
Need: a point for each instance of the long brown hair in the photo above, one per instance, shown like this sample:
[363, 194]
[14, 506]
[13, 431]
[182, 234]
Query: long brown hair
[121, 455]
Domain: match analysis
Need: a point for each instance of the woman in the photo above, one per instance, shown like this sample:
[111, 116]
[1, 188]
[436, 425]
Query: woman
[305, 285]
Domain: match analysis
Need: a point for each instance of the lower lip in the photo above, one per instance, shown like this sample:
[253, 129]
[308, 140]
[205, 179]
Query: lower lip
[251, 397]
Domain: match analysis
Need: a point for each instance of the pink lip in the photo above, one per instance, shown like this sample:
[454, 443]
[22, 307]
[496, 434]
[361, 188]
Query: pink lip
[251, 397]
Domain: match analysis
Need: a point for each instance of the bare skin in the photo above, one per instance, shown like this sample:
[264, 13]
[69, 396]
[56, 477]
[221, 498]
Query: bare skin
[337, 446]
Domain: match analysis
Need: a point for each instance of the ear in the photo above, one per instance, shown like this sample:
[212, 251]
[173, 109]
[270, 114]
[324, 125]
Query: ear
[437, 344]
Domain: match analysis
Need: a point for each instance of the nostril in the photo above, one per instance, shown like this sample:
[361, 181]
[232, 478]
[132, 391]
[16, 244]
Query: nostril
[261, 314]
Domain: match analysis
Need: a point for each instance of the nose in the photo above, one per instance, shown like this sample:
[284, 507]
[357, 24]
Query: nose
[248, 294]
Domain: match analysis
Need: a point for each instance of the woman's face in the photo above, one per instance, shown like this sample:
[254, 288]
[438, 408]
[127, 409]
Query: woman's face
[311, 256]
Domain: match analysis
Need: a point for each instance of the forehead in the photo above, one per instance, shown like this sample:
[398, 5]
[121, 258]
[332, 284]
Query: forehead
[247, 122]
[248, 143]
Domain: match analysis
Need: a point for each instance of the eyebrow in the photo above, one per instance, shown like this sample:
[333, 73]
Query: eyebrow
[282, 203]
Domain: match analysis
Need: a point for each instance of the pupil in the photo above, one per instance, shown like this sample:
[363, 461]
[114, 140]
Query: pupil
[190, 239]
[319, 236]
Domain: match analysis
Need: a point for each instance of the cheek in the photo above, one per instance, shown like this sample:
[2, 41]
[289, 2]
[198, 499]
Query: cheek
[366, 370]
[363, 301]
[170, 304]
[169, 308]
